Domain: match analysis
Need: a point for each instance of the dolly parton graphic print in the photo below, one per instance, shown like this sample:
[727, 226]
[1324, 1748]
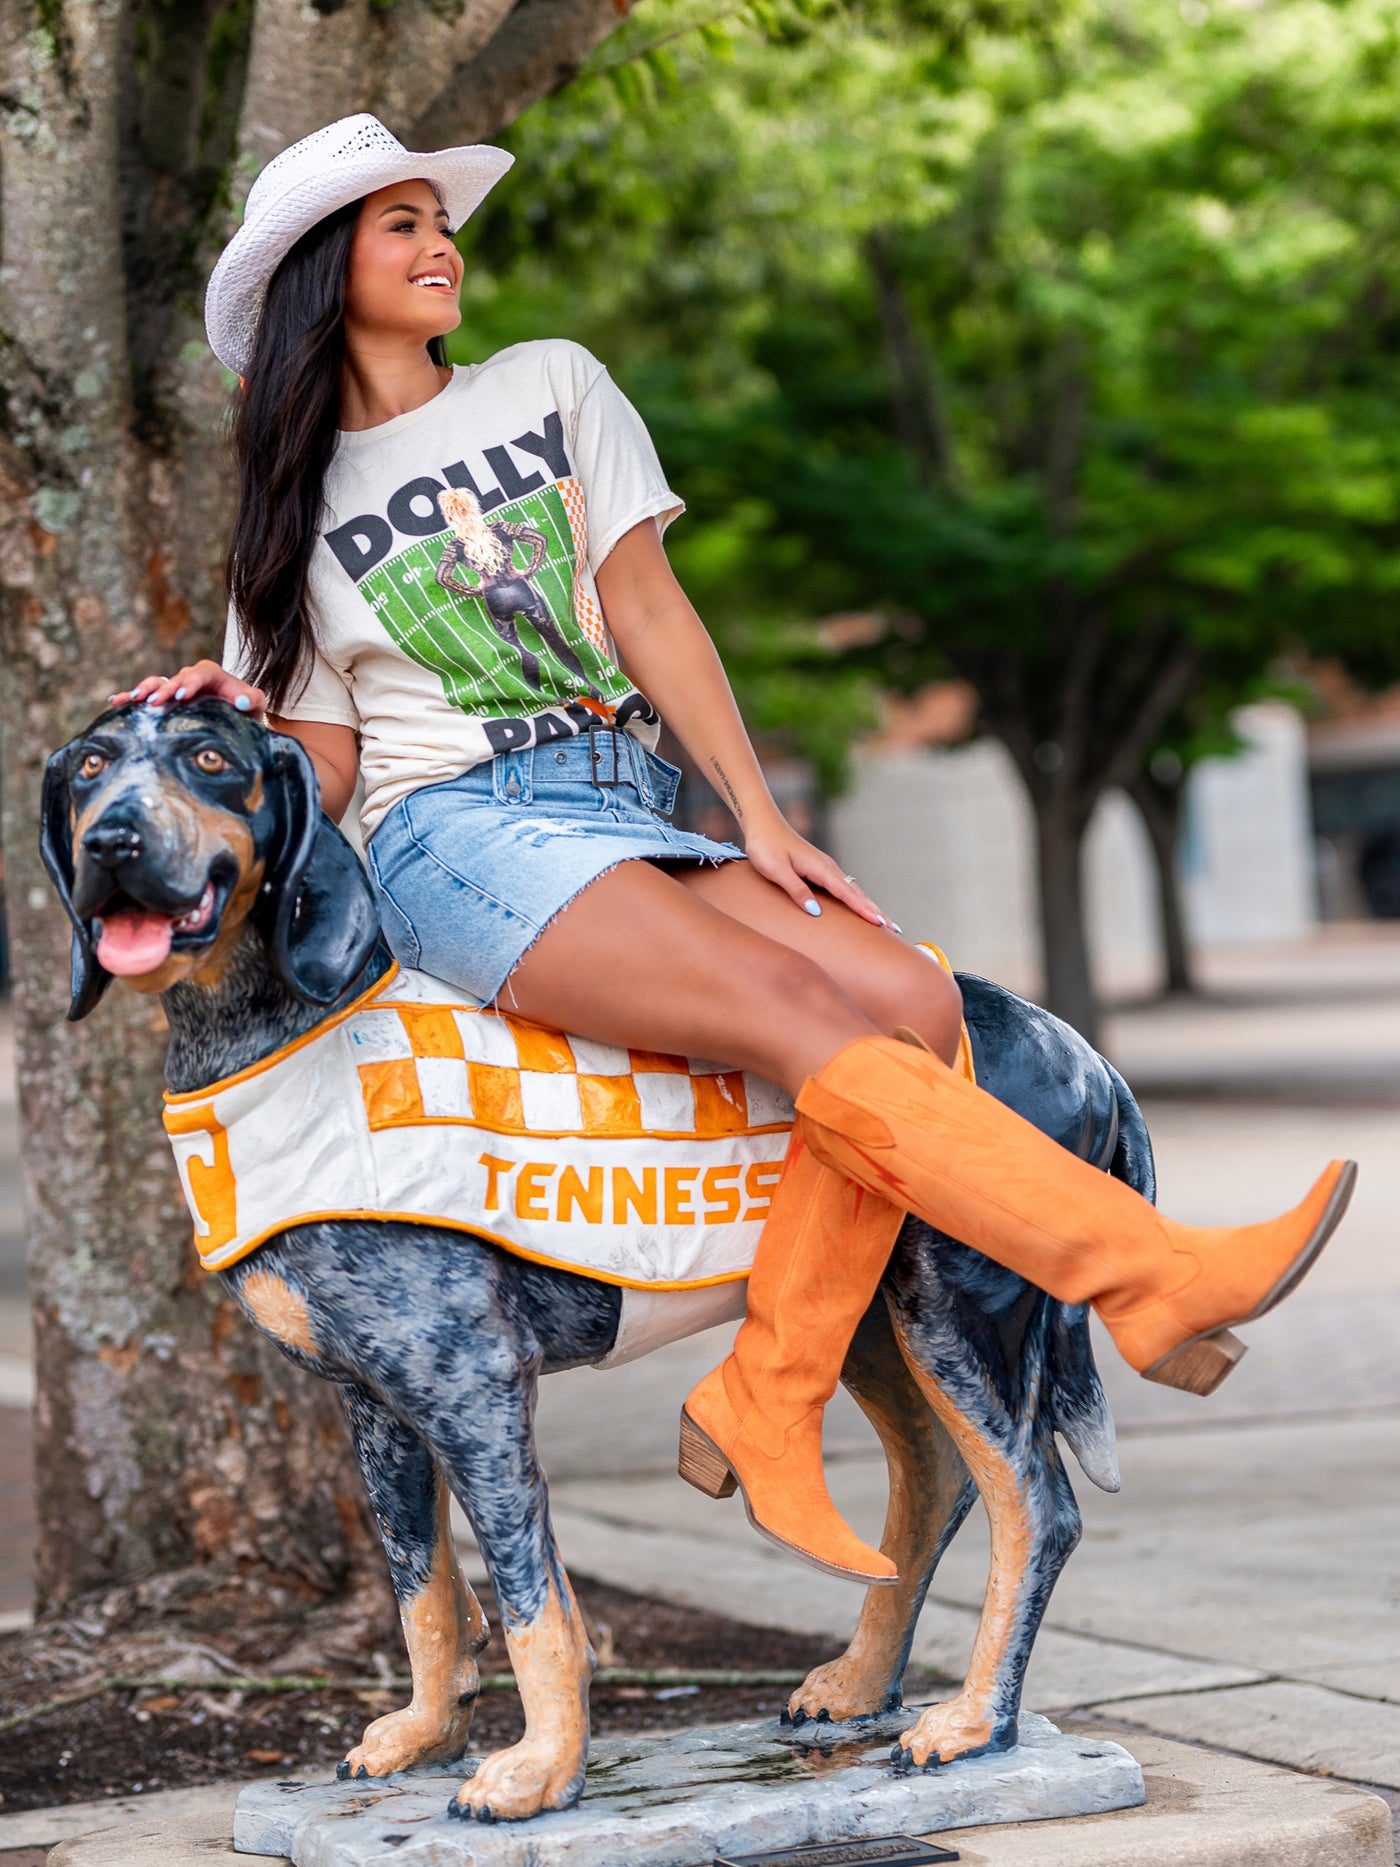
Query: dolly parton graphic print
[455, 613]
[494, 607]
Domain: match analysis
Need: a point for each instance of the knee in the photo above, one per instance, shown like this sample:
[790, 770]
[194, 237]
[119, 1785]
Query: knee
[919, 993]
[804, 989]
[786, 1016]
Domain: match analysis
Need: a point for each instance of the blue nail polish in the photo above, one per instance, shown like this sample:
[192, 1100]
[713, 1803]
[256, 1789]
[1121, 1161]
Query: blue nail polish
[812, 907]
[898, 929]
[180, 692]
[243, 703]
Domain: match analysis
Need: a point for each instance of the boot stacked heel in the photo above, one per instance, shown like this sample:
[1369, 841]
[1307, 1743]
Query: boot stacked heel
[702, 1464]
[785, 1498]
[1198, 1367]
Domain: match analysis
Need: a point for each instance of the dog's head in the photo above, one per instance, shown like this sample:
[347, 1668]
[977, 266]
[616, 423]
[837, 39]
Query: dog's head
[165, 830]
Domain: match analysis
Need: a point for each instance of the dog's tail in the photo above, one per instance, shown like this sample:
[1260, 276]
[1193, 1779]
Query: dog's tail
[1077, 1404]
[1076, 1397]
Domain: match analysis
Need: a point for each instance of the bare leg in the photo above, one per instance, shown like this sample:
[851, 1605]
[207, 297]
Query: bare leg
[642, 958]
[892, 981]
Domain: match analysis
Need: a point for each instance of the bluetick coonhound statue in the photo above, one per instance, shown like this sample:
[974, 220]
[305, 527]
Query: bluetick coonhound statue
[200, 834]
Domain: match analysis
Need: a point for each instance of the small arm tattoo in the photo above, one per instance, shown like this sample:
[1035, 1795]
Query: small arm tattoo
[734, 803]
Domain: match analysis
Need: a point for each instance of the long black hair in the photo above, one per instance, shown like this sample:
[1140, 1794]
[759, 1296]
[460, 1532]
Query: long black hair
[284, 437]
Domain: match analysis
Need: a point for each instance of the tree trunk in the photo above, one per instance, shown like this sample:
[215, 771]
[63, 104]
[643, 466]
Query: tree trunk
[1162, 809]
[173, 1443]
[1069, 985]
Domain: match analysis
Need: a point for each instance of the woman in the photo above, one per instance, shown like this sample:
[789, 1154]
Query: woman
[429, 571]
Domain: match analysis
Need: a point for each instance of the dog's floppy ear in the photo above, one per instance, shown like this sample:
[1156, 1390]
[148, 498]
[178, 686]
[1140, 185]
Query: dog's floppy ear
[89, 979]
[323, 922]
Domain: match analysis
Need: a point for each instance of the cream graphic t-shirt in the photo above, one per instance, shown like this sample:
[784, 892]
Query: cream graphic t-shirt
[452, 586]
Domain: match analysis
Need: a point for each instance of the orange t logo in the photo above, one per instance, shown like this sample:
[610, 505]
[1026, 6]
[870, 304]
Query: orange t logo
[207, 1174]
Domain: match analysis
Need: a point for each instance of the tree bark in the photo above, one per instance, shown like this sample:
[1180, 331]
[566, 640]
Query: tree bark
[1078, 708]
[180, 1458]
[1162, 807]
[170, 1440]
[1069, 983]
[920, 418]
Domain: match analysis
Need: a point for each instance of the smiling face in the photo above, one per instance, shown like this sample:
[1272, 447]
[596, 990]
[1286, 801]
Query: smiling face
[404, 273]
[169, 827]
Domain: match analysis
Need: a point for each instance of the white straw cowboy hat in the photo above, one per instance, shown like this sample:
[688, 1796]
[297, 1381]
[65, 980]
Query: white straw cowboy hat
[324, 171]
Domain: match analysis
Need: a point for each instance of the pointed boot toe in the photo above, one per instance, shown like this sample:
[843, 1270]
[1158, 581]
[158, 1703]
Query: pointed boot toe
[1242, 1274]
[784, 1493]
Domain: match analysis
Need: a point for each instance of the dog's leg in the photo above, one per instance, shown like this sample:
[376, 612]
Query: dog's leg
[930, 1494]
[443, 1330]
[465, 1370]
[991, 1409]
[502, 1489]
[553, 1663]
[443, 1625]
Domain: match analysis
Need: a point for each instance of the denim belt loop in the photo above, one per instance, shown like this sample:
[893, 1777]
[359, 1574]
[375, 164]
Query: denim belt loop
[615, 758]
[513, 776]
[641, 776]
[664, 780]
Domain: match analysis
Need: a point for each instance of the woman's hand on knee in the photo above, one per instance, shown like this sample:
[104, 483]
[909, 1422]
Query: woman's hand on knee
[798, 867]
[200, 677]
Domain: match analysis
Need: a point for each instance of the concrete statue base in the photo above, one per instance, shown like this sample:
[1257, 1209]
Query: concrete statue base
[677, 1800]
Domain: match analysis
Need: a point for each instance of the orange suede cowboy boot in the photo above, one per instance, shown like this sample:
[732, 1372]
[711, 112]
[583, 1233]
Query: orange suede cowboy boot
[756, 1421]
[917, 1133]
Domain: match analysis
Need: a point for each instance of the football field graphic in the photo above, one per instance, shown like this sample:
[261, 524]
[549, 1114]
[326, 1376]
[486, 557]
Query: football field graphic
[455, 636]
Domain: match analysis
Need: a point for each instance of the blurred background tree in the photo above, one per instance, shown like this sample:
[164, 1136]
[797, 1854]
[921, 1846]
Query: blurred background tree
[1066, 348]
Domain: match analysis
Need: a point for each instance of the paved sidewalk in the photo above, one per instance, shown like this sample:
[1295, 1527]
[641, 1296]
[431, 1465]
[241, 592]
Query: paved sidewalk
[1312, 1022]
[1243, 1592]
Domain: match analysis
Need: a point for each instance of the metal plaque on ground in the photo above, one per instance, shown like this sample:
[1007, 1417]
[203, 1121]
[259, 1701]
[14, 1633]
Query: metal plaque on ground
[879, 1851]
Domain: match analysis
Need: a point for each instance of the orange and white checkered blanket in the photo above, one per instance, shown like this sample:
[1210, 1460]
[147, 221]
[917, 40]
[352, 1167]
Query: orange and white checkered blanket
[649, 1171]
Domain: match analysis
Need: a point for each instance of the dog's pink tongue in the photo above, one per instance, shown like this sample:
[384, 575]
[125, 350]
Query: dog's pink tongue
[134, 941]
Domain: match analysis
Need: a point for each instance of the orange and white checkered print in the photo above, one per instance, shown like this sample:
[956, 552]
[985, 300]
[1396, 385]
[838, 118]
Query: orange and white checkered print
[587, 612]
[422, 1064]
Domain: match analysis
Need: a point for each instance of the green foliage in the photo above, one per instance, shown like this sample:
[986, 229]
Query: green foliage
[1072, 334]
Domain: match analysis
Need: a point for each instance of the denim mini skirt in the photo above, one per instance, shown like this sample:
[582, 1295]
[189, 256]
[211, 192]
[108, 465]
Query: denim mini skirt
[470, 872]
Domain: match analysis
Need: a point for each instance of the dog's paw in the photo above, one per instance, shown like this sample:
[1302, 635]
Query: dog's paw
[512, 1785]
[837, 1691]
[402, 1738]
[944, 1733]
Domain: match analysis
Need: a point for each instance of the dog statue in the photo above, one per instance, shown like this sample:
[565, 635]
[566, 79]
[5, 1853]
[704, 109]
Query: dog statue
[194, 839]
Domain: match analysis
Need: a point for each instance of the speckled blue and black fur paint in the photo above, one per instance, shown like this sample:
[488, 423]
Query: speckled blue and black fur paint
[447, 1337]
[438, 1340]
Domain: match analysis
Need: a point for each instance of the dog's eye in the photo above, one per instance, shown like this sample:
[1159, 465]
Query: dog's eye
[210, 761]
[92, 765]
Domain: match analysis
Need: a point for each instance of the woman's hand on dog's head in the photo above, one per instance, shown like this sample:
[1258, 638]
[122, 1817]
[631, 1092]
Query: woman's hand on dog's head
[201, 677]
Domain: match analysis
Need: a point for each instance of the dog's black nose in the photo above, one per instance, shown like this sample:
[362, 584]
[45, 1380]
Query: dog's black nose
[112, 843]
